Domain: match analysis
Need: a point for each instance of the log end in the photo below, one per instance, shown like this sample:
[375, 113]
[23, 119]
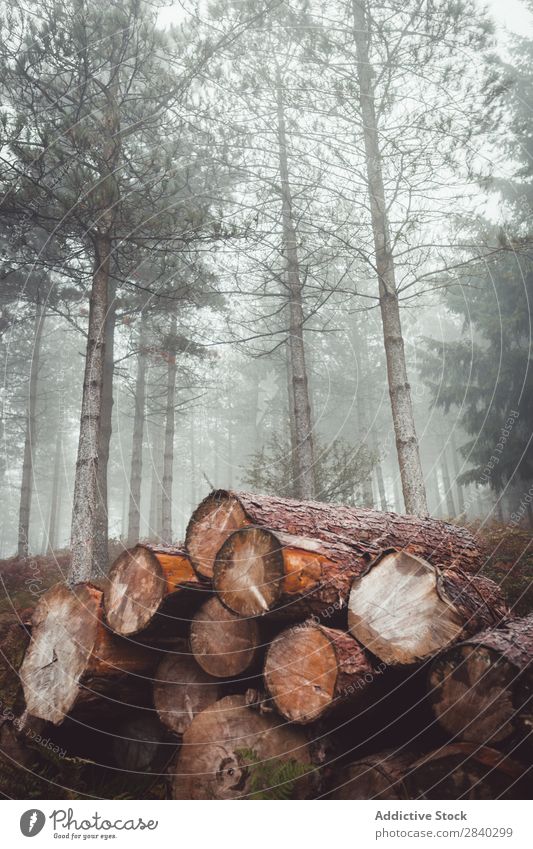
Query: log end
[233, 752]
[223, 644]
[472, 694]
[301, 673]
[249, 572]
[215, 518]
[181, 691]
[396, 610]
[137, 586]
[66, 623]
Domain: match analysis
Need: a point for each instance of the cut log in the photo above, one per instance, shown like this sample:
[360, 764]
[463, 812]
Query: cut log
[74, 659]
[182, 690]
[374, 777]
[224, 512]
[231, 751]
[404, 609]
[257, 571]
[141, 744]
[482, 689]
[467, 771]
[310, 669]
[223, 644]
[144, 581]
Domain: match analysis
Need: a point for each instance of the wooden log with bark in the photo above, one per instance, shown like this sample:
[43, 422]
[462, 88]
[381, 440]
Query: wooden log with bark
[404, 609]
[182, 689]
[311, 669]
[231, 751]
[380, 776]
[258, 571]
[74, 660]
[149, 585]
[467, 771]
[223, 644]
[225, 511]
[142, 744]
[482, 689]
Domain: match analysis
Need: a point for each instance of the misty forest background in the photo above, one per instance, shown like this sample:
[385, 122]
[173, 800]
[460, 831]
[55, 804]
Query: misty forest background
[281, 246]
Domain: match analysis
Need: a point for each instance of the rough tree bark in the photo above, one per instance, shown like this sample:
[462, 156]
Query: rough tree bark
[101, 541]
[156, 501]
[400, 393]
[404, 609]
[258, 572]
[303, 426]
[481, 690]
[168, 455]
[134, 513]
[26, 486]
[214, 761]
[55, 497]
[85, 505]
[311, 670]
[224, 512]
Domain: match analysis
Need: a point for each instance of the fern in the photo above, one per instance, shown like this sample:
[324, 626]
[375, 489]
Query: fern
[274, 780]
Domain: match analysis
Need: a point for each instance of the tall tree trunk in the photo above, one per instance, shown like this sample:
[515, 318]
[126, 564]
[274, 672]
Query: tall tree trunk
[456, 472]
[292, 423]
[168, 456]
[381, 483]
[104, 439]
[397, 495]
[86, 501]
[155, 484]
[400, 393]
[230, 447]
[55, 498]
[303, 427]
[134, 514]
[29, 439]
[450, 506]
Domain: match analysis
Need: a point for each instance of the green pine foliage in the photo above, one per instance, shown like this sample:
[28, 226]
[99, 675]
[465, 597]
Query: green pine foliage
[272, 779]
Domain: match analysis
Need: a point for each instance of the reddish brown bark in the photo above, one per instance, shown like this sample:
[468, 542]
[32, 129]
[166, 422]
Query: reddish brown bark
[257, 571]
[224, 511]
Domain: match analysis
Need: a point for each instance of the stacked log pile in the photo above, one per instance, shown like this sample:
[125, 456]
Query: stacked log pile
[291, 650]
